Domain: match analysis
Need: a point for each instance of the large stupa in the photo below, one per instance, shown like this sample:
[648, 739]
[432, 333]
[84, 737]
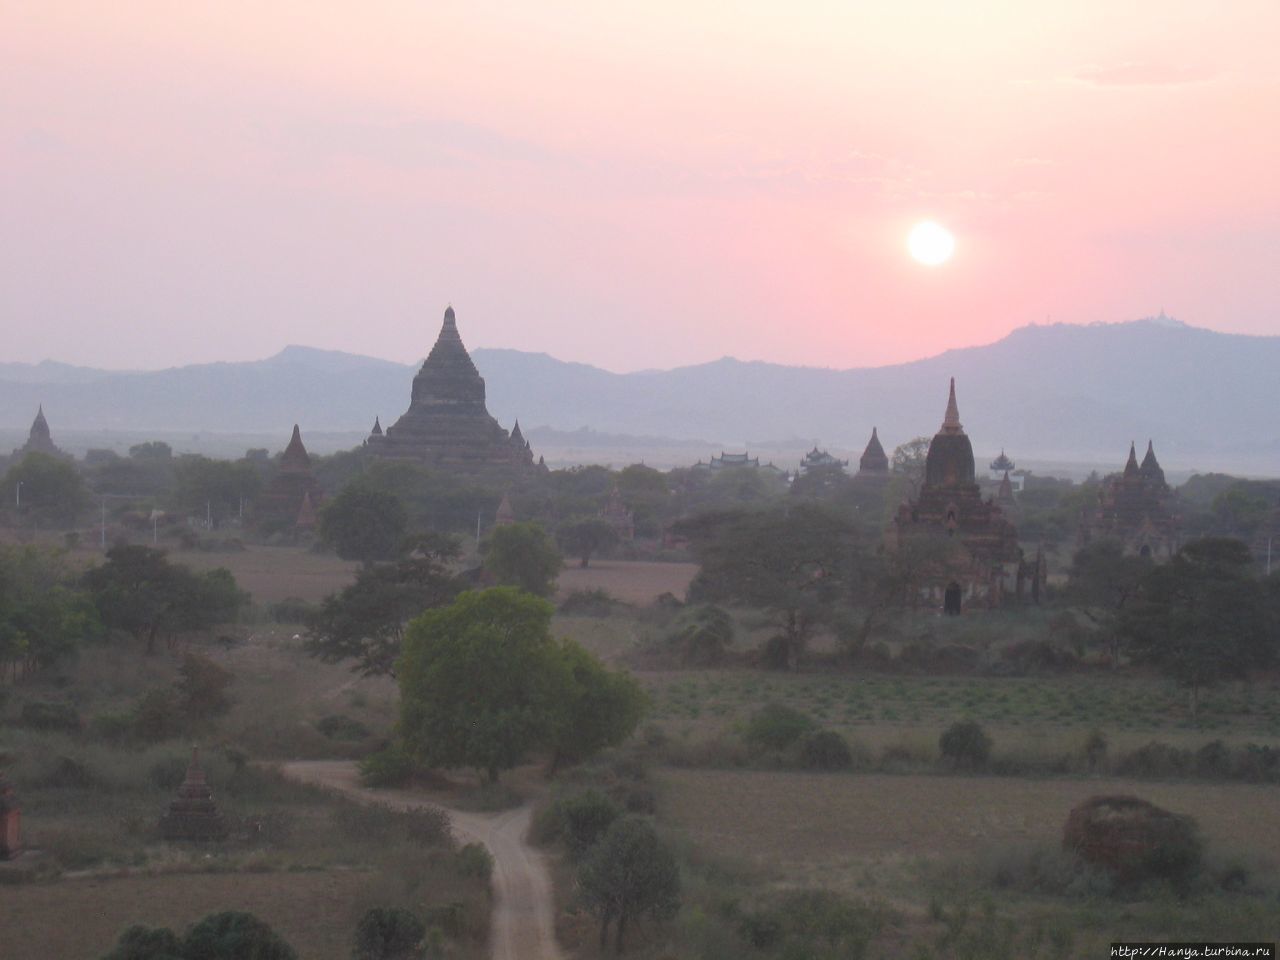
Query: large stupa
[447, 425]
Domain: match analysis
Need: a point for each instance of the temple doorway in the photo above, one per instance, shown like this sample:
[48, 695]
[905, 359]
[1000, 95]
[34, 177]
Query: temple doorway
[951, 600]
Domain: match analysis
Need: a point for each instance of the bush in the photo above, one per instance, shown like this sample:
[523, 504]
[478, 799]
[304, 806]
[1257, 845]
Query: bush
[965, 744]
[1135, 840]
[234, 935]
[474, 861]
[339, 727]
[157, 716]
[291, 610]
[389, 767]
[168, 774]
[584, 819]
[427, 826]
[387, 933]
[1155, 759]
[46, 715]
[67, 773]
[776, 654]
[147, 943]
[112, 727]
[1095, 750]
[202, 687]
[776, 727]
[700, 636]
[825, 750]
[589, 603]
[803, 922]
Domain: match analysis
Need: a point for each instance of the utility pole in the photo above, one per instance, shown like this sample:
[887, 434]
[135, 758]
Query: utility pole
[1269, 539]
[477, 528]
[208, 514]
[103, 535]
[17, 496]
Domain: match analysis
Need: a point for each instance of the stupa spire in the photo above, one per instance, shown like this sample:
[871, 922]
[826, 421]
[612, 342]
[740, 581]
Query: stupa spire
[1131, 465]
[951, 420]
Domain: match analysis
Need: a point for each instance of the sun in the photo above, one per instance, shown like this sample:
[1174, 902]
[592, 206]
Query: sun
[931, 243]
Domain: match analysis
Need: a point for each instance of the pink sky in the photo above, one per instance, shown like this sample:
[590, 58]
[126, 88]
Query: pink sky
[627, 184]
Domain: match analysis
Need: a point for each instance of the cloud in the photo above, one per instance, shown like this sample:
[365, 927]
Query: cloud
[1139, 74]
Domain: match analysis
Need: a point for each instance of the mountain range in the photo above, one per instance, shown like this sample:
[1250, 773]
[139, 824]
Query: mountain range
[1053, 392]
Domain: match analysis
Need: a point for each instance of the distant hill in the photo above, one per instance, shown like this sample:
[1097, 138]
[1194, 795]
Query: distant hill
[1055, 392]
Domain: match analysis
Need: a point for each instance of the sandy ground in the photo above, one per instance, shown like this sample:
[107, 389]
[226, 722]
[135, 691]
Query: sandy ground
[523, 921]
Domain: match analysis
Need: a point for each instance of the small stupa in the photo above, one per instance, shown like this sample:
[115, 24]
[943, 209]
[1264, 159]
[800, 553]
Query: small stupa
[193, 815]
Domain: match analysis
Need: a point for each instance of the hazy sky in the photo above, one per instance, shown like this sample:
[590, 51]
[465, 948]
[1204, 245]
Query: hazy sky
[627, 184]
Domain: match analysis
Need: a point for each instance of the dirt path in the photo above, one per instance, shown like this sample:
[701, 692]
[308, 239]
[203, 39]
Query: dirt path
[523, 922]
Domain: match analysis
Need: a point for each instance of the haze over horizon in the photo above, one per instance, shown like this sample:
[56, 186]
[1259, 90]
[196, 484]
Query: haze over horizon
[632, 186]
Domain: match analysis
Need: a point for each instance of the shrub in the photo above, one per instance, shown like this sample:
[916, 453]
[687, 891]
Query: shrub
[389, 767]
[700, 636]
[168, 773]
[965, 744]
[291, 610]
[112, 727]
[776, 654]
[147, 943]
[202, 687]
[67, 773]
[1095, 750]
[584, 819]
[427, 826]
[799, 922]
[47, 715]
[234, 935]
[157, 716]
[474, 861]
[339, 727]
[589, 603]
[1155, 759]
[776, 727]
[1213, 760]
[825, 750]
[387, 933]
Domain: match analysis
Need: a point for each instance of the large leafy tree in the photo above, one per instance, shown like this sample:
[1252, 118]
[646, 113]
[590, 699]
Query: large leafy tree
[365, 524]
[366, 621]
[629, 874]
[598, 708]
[52, 491]
[139, 592]
[482, 683]
[216, 487]
[584, 536]
[522, 555]
[1104, 583]
[1202, 617]
[792, 563]
[43, 615]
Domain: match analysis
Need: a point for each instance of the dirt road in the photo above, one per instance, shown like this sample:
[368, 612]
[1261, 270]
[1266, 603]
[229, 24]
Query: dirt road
[523, 922]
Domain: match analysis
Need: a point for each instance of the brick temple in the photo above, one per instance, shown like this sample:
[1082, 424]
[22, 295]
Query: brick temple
[448, 425]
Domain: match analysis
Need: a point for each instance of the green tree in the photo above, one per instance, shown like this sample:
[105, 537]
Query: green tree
[215, 487]
[584, 536]
[598, 707]
[522, 555]
[481, 681]
[52, 493]
[908, 462]
[364, 524]
[1202, 617]
[151, 450]
[139, 592]
[366, 621]
[147, 943]
[1104, 582]
[792, 563]
[235, 935]
[388, 933]
[43, 615]
[628, 875]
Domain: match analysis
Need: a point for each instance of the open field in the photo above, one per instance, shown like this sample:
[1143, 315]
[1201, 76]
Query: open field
[81, 919]
[272, 574]
[629, 580]
[1126, 706]
[809, 826]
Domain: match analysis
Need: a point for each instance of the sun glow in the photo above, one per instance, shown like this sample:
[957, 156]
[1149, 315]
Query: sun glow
[931, 243]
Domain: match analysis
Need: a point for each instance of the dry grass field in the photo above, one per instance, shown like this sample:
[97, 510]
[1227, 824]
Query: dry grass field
[81, 919]
[816, 827]
[272, 574]
[629, 580]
